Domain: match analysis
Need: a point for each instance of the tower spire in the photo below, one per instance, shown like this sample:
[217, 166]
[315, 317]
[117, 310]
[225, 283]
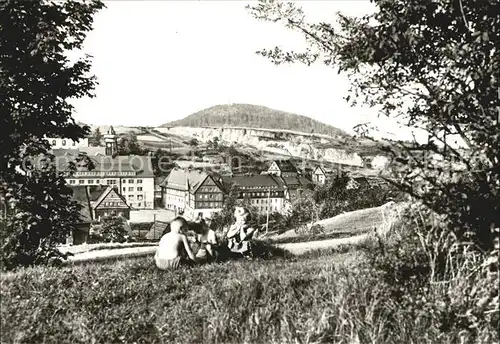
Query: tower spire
[110, 142]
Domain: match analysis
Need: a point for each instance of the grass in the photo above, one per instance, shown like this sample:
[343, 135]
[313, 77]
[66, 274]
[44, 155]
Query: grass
[305, 237]
[341, 226]
[103, 246]
[130, 301]
[323, 296]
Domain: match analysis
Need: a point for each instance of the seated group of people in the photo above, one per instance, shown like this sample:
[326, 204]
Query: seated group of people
[175, 250]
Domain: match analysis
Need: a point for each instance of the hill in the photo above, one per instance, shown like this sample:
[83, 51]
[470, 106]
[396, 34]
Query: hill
[254, 116]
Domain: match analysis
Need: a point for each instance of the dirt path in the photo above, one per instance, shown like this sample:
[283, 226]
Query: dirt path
[294, 248]
[302, 247]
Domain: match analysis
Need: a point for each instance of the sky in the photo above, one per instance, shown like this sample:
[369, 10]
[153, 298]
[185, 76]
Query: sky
[158, 61]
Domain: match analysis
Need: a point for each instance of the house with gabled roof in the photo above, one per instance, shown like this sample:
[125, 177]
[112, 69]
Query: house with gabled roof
[110, 202]
[321, 174]
[282, 168]
[192, 191]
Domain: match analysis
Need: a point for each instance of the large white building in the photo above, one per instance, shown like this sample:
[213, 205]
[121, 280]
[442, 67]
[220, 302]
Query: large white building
[58, 143]
[131, 175]
[265, 193]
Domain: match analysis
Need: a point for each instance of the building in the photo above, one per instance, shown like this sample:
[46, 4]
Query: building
[110, 142]
[110, 202]
[321, 174]
[80, 234]
[159, 191]
[56, 143]
[131, 175]
[193, 192]
[263, 192]
[295, 184]
[282, 168]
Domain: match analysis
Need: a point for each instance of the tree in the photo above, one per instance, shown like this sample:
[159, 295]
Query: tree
[128, 144]
[193, 143]
[216, 143]
[433, 65]
[163, 162]
[95, 140]
[112, 229]
[224, 218]
[36, 81]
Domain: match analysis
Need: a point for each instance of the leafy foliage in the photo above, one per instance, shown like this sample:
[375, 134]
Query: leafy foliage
[96, 139]
[128, 144]
[163, 162]
[36, 81]
[432, 65]
[338, 196]
[111, 229]
[435, 279]
[41, 217]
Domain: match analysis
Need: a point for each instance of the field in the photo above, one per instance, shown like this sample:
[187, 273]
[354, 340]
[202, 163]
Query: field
[344, 225]
[328, 296]
[130, 301]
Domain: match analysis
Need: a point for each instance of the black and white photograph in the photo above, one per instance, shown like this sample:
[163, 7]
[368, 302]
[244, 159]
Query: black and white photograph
[266, 171]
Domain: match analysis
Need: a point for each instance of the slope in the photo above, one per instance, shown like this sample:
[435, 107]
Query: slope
[254, 116]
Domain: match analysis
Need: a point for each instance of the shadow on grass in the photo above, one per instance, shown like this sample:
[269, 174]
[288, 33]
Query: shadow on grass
[261, 250]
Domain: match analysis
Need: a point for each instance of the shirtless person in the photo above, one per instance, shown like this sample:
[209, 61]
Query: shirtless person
[170, 252]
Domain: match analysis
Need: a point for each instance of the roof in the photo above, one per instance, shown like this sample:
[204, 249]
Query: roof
[325, 170]
[285, 166]
[258, 181]
[140, 164]
[304, 181]
[81, 196]
[189, 180]
[106, 192]
[291, 181]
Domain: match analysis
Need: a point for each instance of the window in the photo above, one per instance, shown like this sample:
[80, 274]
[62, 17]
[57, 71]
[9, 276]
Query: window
[131, 188]
[64, 142]
[98, 181]
[72, 181]
[91, 181]
[131, 181]
[139, 188]
[139, 204]
[140, 197]
[124, 181]
[130, 196]
[139, 181]
[124, 189]
[81, 181]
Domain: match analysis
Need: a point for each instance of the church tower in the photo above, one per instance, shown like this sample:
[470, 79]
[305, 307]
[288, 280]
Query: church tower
[110, 142]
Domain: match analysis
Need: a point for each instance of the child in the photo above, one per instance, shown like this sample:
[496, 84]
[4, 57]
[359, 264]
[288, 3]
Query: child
[173, 246]
[240, 233]
[208, 241]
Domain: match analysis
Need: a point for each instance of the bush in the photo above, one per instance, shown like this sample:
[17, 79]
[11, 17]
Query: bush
[435, 280]
[111, 229]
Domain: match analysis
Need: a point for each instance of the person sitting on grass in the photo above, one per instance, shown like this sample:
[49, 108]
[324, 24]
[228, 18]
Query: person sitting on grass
[173, 247]
[240, 233]
[208, 241]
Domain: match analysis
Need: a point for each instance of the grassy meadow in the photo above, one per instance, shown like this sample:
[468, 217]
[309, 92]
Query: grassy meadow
[329, 296]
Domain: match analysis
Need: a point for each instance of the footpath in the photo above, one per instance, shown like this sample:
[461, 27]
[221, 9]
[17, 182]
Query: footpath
[128, 252]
